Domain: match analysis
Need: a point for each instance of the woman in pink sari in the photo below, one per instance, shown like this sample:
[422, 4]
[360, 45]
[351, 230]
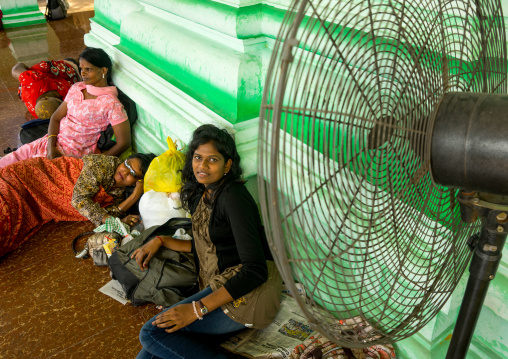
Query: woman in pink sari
[89, 107]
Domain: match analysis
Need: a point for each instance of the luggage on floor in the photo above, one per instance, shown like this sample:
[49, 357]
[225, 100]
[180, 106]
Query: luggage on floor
[33, 130]
[56, 9]
[170, 277]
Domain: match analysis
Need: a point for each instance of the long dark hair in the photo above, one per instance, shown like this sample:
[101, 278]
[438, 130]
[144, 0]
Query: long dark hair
[225, 145]
[145, 159]
[98, 57]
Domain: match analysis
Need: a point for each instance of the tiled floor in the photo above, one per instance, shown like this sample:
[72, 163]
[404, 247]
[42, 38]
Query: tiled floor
[50, 306]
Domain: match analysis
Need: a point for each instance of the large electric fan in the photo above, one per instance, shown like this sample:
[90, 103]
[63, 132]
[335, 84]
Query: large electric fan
[383, 154]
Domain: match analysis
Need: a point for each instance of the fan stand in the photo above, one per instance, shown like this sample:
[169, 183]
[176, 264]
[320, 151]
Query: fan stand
[483, 268]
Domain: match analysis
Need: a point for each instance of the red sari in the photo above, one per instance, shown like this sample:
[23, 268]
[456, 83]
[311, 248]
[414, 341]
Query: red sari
[54, 75]
[34, 192]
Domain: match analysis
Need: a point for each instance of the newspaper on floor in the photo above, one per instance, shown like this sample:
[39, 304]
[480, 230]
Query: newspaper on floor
[291, 337]
[114, 289]
[276, 341]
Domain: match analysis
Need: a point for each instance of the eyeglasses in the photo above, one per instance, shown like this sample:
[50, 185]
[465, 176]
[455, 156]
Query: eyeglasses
[131, 170]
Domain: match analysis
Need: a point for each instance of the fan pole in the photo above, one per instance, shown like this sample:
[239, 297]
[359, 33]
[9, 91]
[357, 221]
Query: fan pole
[483, 268]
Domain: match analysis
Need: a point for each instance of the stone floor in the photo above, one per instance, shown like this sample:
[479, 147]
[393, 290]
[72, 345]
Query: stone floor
[50, 306]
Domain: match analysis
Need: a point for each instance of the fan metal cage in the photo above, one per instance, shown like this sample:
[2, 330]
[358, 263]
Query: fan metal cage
[351, 211]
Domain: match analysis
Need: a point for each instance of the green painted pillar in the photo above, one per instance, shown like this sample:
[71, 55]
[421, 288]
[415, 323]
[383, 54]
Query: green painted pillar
[17, 13]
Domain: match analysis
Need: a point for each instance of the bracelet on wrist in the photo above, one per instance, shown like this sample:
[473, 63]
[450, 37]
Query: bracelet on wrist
[160, 239]
[196, 310]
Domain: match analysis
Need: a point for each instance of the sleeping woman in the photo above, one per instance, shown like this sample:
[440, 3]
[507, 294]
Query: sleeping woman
[38, 190]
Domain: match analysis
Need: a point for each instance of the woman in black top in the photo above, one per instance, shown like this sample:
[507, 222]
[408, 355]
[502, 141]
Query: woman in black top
[231, 253]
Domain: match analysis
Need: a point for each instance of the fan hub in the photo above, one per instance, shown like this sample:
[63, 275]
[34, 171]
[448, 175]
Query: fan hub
[469, 141]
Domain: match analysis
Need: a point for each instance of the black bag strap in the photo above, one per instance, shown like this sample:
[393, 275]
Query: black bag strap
[179, 222]
[33, 123]
[168, 228]
[74, 241]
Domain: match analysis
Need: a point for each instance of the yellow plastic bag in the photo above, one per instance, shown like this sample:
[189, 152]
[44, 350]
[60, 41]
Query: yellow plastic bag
[163, 174]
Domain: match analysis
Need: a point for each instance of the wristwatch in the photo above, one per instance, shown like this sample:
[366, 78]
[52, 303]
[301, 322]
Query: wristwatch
[203, 309]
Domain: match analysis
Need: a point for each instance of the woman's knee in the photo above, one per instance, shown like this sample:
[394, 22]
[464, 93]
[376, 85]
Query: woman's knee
[146, 334]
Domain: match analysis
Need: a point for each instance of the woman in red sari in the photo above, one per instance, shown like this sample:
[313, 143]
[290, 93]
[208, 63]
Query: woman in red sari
[38, 190]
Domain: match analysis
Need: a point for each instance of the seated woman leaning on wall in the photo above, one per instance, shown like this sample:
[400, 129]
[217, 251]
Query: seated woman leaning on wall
[89, 107]
[38, 190]
[239, 283]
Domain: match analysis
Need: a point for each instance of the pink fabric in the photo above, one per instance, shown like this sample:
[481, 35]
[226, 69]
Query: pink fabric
[99, 91]
[79, 129]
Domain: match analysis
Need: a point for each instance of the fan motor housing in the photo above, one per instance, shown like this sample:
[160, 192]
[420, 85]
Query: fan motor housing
[469, 144]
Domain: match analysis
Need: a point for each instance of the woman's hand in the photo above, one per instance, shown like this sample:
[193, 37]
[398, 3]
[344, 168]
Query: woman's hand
[138, 189]
[122, 133]
[144, 254]
[54, 129]
[53, 152]
[176, 318]
[131, 220]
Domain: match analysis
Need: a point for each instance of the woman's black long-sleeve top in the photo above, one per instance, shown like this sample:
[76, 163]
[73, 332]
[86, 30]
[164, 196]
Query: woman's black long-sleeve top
[236, 231]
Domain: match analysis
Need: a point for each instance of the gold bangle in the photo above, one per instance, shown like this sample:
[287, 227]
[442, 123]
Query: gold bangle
[52, 136]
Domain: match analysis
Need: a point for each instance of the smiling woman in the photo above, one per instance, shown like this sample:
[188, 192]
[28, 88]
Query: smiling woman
[238, 280]
[38, 190]
[89, 107]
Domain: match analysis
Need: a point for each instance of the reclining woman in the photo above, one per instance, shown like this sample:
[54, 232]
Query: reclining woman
[35, 191]
[89, 107]
[239, 283]
[44, 85]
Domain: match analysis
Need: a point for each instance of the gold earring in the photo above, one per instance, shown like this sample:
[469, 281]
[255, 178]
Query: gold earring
[103, 76]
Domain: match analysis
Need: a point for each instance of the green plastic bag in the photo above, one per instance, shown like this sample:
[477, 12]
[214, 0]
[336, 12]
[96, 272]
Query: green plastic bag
[164, 175]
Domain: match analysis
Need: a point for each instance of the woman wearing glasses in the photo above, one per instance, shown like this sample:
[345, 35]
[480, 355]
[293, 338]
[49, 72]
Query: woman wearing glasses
[38, 190]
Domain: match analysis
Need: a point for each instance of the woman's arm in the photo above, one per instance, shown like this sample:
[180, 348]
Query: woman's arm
[92, 176]
[242, 215]
[127, 204]
[145, 253]
[123, 139]
[133, 198]
[182, 315]
[54, 129]
[18, 69]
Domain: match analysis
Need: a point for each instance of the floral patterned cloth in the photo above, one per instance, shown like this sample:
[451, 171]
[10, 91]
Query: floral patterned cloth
[80, 128]
[46, 76]
[98, 172]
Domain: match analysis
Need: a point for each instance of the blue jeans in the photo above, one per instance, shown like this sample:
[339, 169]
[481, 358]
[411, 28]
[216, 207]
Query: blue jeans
[197, 340]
